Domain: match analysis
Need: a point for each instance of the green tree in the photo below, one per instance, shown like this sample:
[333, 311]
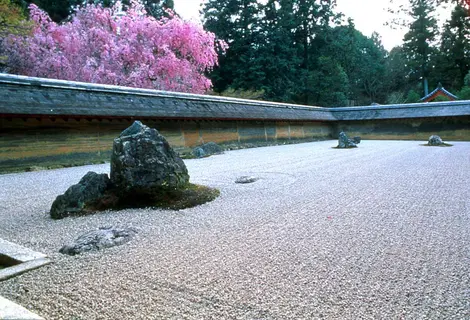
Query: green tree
[363, 60]
[396, 80]
[12, 22]
[12, 19]
[328, 84]
[59, 10]
[419, 39]
[453, 62]
[157, 8]
[412, 97]
[236, 22]
[272, 44]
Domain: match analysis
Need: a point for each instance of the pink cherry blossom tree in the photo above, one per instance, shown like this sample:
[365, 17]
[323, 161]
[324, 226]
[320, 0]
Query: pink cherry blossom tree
[105, 45]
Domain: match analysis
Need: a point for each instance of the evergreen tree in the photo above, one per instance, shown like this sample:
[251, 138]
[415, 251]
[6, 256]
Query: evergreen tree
[328, 84]
[237, 23]
[60, 10]
[419, 39]
[396, 80]
[272, 45]
[278, 58]
[363, 60]
[454, 59]
[157, 8]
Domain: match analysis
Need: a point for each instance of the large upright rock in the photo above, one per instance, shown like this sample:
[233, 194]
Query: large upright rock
[143, 162]
[345, 142]
[76, 199]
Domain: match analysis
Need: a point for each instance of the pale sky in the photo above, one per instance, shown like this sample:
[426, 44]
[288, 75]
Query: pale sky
[368, 15]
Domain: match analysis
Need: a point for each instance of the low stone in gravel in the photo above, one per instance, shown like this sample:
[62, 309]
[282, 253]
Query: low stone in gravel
[211, 148]
[344, 141]
[435, 140]
[356, 140]
[76, 199]
[246, 179]
[104, 237]
[198, 152]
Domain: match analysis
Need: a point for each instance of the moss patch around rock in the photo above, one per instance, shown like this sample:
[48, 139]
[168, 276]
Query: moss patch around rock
[190, 196]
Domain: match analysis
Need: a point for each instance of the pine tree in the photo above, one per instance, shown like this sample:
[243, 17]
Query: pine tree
[454, 60]
[419, 39]
[237, 23]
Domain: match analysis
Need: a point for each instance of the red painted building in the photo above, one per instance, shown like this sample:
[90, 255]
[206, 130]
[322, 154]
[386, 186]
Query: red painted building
[439, 91]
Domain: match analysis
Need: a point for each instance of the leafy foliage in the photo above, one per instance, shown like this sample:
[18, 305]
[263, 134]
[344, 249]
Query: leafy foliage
[12, 22]
[412, 97]
[12, 19]
[99, 46]
[59, 10]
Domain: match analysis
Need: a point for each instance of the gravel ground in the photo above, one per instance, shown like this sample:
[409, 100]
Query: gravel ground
[377, 232]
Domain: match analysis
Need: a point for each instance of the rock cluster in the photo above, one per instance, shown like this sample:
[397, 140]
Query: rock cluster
[143, 166]
[344, 141]
[207, 149]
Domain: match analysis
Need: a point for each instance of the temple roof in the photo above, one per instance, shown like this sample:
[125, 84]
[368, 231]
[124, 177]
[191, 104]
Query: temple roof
[439, 91]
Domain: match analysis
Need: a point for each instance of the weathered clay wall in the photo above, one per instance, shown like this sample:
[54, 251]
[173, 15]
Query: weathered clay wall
[31, 142]
[46, 122]
[448, 128]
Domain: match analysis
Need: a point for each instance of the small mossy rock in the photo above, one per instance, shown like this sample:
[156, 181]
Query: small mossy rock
[435, 140]
[211, 148]
[198, 152]
[75, 200]
[99, 239]
[345, 142]
[143, 162]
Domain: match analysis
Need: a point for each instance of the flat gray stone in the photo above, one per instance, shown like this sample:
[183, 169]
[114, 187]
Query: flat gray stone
[99, 239]
[246, 179]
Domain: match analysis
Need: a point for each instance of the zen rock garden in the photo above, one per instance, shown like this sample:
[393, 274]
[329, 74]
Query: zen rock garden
[145, 172]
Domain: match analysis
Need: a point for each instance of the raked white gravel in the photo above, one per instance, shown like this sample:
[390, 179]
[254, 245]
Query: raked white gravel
[377, 232]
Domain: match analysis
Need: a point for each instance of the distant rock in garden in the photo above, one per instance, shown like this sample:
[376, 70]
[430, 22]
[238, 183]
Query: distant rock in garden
[435, 140]
[356, 140]
[211, 148]
[246, 179]
[345, 142]
[143, 161]
[198, 152]
[99, 239]
[207, 149]
[76, 199]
